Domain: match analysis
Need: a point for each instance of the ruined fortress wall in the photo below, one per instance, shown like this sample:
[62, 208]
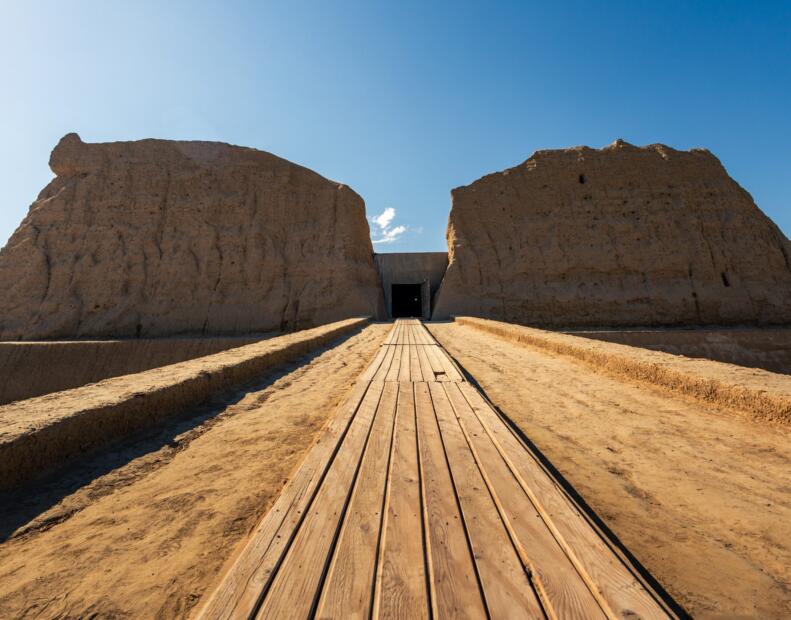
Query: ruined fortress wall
[156, 237]
[614, 237]
[29, 369]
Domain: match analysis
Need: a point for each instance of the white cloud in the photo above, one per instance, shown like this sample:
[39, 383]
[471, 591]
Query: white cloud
[383, 233]
[391, 234]
[384, 218]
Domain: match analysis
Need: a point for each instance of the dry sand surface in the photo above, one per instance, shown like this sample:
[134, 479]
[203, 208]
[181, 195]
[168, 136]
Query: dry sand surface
[702, 498]
[144, 530]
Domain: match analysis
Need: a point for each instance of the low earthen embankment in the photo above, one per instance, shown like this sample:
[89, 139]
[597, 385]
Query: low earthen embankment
[759, 394]
[29, 369]
[767, 348]
[41, 433]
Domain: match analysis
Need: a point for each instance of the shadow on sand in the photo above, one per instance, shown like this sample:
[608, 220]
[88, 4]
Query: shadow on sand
[23, 504]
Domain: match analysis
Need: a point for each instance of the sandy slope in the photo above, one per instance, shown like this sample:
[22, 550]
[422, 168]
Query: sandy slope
[147, 538]
[700, 497]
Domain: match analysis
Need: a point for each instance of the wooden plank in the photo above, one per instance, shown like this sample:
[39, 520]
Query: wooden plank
[562, 589]
[384, 369]
[424, 335]
[435, 356]
[507, 589]
[401, 585]
[417, 328]
[397, 328]
[369, 373]
[414, 364]
[405, 371]
[294, 588]
[425, 364]
[437, 371]
[395, 367]
[391, 334]
[239, 592]
[451, 372]
[619, 591]
[455, 591]
[348, 588]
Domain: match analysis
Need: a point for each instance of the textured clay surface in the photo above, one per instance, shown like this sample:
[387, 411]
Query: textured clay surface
[619, 236]
[750, 392]
[157, 237]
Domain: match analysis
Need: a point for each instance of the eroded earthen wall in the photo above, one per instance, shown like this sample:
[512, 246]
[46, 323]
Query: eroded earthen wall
[618, 236]
[157, 237]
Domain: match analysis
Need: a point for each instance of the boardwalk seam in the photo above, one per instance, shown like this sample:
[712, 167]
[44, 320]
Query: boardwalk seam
[575, 561]
[298, 527]
[383, 527]
[433, 611]
[527, 564]
[461, 509]
[343, 519]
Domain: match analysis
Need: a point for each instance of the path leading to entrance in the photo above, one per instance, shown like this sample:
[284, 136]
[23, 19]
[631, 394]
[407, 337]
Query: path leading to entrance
[419, 501]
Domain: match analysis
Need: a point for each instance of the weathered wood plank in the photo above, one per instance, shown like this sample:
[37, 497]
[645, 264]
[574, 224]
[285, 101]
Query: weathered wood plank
[506, 587]
[294, 588]
[348, 588]
[401, 586]
[425, 364]
[387, 362]
[619, 591]
[562, 589]
[405, 371]
[241, 588]
[369, 373]
[395, 367]
[454, 584]
[415, 371]
[448, 366]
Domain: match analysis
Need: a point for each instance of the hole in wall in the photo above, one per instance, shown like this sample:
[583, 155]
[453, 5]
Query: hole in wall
[725, 280]
[582, 179]
[407, 300]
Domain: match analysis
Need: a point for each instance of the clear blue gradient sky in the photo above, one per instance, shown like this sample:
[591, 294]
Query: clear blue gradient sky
[401, 100]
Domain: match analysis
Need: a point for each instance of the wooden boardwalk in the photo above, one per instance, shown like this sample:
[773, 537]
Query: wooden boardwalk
[418, 501]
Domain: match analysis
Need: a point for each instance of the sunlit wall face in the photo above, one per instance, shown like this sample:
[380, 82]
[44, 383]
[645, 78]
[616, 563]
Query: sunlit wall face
[402, 101]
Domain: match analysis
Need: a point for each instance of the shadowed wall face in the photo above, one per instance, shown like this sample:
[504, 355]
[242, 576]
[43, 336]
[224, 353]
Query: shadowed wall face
[769, 349]
[614, 237]
[425, 269]
[29, 369]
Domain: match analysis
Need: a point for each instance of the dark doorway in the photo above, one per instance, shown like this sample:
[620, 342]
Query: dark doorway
[407, 300]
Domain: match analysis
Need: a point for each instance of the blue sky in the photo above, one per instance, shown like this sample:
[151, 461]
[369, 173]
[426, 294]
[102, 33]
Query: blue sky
[400, 100]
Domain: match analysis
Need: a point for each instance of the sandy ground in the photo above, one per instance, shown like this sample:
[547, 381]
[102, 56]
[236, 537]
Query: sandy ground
[144, 529]
[700, 497]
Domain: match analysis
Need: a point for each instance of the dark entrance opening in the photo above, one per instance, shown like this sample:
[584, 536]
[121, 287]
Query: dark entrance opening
[407, 300]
